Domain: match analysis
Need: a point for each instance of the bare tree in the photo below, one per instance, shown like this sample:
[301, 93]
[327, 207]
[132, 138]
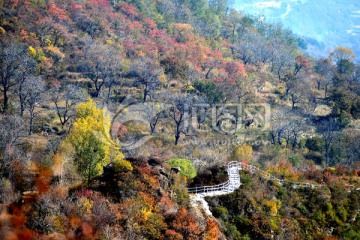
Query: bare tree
[281, 60]
[147, 74]
[287, 126]
[33, 90]
[14, 64]
[65, 99]
[328, 130]
[101, 64]
[325, 70]
[180, 113]
[297, 93]
[12, 129]
[351, 146]
[22, 93]
[154, 111]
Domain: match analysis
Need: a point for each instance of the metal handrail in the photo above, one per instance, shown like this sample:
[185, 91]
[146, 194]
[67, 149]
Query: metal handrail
[226, 187]
[234, 182]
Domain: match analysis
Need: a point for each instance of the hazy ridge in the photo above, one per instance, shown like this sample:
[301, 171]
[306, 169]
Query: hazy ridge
[331, 23]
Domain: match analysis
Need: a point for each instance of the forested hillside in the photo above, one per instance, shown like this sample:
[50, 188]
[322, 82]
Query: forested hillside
[111, 109]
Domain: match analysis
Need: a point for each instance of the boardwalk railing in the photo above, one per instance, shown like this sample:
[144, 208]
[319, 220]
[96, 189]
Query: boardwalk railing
[227, 187]
[234, 182]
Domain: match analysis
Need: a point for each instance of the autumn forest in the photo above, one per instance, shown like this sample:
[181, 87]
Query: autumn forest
[111, 111]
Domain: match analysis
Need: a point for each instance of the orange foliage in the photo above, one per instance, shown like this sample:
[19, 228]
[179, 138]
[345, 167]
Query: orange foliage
[75, 222]
[186, 225]
[86, 229]
[212, 231]
[147, 200]
[172, 235]
[166, 205]
[284, 168]
[25, 234]
[43, 180]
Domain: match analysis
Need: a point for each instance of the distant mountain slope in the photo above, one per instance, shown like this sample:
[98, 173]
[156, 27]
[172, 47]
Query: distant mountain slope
[332, 22]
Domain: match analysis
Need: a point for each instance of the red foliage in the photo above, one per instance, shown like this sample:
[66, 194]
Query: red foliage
[127, 9]
[136, 25]
[23, 35]
[118, 130]
[16, 228]
[150, 23]
[77, 7]
[25, 234]
[234, 70]
[58, 13]
[84, 193]
[302, 62]
[156, 33]
[166, 205]
[43, 180]
[98, 4]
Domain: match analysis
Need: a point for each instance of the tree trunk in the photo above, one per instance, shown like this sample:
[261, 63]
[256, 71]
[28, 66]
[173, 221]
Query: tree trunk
[109, 94]
[31, 122]
[98, 86]
[177, 137]
[177, 134]
[152, 127]
[146, 92]
[326, 91]
[6, 100]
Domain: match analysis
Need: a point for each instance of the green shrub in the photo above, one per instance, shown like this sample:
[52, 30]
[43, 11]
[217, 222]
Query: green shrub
[294, 160]
[186, 166]
[232, 232]
[317, 157]
[315, 144]
[221, 212]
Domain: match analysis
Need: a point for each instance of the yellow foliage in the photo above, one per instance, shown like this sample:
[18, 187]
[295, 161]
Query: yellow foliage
[90, 137]
[163, 78]
[122, 165]
[2, 31]
[137, 128]
[84, 205]
[145, 213]
[272, 206]
[343, 53]
[32, 51]
[55, 52]
[48, 41]
[284, 168]
[40, 56]
[183, 27]
[189, 88]
[242, 152]
[58, 223]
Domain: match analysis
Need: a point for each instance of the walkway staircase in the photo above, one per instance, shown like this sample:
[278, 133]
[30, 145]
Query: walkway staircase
[234, 182]
[224, 188]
